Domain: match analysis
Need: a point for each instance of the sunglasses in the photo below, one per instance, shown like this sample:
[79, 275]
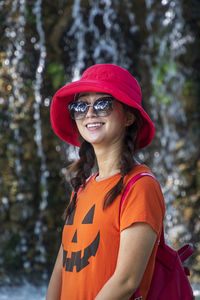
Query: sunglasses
[102, 107]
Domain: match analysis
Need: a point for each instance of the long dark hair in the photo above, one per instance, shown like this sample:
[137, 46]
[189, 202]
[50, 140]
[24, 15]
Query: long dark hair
[82, 168]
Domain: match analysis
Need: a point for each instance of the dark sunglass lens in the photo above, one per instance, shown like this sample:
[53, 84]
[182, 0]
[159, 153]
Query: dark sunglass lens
[80, 106]
[104, 106]
[78, 109]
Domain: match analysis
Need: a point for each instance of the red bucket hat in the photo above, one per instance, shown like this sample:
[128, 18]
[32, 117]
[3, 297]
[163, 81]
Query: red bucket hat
[104, 78]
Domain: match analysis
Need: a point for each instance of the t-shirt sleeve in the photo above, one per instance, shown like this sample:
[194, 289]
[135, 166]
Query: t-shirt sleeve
[143, 203]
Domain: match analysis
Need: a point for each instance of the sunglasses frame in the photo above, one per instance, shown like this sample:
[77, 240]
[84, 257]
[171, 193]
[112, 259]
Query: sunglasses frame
[99, 113]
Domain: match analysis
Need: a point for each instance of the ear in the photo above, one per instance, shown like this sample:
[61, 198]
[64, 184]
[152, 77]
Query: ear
[130, 118]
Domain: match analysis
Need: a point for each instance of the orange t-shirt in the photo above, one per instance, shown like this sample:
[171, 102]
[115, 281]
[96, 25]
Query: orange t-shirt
[91, 235]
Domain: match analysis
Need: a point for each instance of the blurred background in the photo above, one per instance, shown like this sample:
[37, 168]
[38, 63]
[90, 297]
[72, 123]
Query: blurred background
[45, 44]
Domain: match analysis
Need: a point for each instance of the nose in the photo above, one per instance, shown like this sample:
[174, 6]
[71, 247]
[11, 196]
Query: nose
[90, 112]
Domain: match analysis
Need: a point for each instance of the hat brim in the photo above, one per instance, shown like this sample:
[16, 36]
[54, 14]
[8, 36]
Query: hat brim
[65, 128]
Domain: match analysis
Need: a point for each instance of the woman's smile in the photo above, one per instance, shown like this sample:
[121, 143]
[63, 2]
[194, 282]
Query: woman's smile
[94, 125]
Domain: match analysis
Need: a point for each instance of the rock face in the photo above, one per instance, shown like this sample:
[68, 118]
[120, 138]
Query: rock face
[46, 44]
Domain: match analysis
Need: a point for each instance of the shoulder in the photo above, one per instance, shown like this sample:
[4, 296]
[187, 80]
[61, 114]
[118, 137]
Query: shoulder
[136, 171]
[146, 189]
[142, 201]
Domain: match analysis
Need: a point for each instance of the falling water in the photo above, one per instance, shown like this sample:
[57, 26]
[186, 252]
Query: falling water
[13, 64]
[40, 46]
[14, 68]
[77, 30]
[105, 46]
[164, 161]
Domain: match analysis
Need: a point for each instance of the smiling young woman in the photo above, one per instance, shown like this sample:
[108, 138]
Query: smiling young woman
[106, 252]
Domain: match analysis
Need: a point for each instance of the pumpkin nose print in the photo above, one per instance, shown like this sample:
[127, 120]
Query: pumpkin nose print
[74, 240]
[77, 260]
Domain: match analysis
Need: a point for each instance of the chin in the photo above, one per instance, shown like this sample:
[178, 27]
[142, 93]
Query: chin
[94, 140]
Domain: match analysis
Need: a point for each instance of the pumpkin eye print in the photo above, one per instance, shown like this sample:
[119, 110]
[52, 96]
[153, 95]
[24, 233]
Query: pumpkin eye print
[79, 259]
[88, 219]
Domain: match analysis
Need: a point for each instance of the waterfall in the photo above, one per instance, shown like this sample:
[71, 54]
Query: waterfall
[78, 30]
[13, 66]
[105, 47]
[169, 113]
[40, 46]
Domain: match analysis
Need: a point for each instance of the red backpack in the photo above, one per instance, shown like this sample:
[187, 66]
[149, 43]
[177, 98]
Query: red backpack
[169, 280]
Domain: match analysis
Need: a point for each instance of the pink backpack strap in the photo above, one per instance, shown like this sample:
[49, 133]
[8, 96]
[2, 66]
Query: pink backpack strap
[131, 182]
[136, 295]
[185, 252]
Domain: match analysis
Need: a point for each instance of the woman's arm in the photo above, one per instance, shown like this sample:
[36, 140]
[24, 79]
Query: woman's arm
[136, 245]
[54, 288]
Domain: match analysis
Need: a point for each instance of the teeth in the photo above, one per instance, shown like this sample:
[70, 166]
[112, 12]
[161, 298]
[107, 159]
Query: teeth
[94, 125]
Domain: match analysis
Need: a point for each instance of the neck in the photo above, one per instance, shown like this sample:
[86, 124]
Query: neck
[108, 160]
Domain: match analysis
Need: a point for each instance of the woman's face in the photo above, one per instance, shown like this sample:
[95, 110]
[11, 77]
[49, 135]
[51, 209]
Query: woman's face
[107, 130]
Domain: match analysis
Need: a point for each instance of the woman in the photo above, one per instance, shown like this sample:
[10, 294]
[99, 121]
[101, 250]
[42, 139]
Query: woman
[107, 252]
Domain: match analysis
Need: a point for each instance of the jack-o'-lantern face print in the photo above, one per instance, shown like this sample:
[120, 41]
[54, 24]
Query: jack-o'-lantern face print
[79, 259]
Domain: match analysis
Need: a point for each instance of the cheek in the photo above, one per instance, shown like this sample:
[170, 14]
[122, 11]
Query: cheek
[119, 112]
[79, 126]
[118, 119]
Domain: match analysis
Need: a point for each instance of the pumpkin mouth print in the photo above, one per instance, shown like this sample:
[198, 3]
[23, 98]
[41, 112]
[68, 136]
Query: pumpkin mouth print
[80, 259]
